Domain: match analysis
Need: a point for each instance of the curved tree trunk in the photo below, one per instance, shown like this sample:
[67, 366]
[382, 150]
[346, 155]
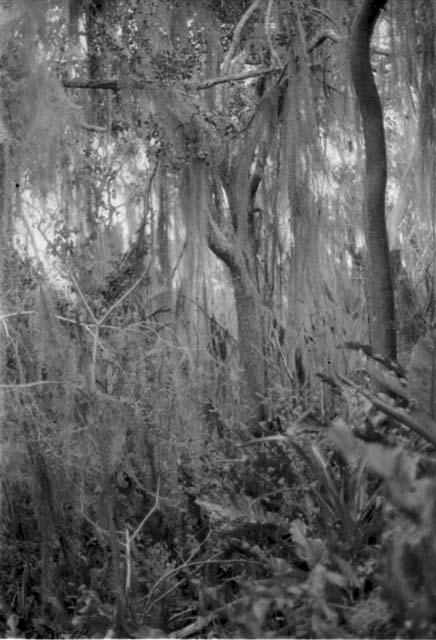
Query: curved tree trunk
[236, 247]
[379, 287]
[249, 317]
[237, 250]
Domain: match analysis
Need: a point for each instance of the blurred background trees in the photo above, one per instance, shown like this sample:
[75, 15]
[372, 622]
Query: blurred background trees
[183, 251]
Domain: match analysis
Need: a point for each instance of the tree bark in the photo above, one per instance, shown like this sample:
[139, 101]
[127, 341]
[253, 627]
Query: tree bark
[163, 244]
[240, 178]
[235, 253]
[4, 250]
[95, 42]
[379, 288]
[250, 337]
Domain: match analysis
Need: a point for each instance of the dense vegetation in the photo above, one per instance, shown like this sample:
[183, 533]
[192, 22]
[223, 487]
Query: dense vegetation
[217, 347]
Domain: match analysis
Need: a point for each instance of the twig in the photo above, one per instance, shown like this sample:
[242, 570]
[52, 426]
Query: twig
[101, 532]
[26, 385]
[199, 564]
[144, 520]
[163, 595]
[175, 570]
[123, 297]
[200, 623]
[14, 314]
[128, 563]
[82, 297]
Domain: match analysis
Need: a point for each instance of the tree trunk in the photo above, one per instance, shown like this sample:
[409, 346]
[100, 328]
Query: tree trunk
[4, 251]
[163, 242]
[250, 340]
[379, 287]
[96, 110]
[240, 178]
[249, 317]
[95, 24]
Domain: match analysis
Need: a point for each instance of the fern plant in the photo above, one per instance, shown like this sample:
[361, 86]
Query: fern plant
[345, 497]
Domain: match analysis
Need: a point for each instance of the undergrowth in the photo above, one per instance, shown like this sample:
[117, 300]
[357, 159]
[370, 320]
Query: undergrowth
[138, 507]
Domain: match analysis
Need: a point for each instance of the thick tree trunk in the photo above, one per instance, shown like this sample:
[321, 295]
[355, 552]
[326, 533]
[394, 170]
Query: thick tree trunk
[234, 238]
[249, 317]
[379, 287]
[4, 248]
[250, 340]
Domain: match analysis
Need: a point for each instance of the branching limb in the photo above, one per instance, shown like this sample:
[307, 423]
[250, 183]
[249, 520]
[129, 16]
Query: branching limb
[220, 245]
[123, 297]
[175, 570]
[334, 36]
[324, 14]
[147, 516]
[194, 629]
[113, 84]
[237, 34]
[82, 297]
[130, 539]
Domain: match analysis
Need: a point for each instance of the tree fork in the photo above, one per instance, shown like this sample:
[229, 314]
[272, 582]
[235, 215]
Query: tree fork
[379, 287]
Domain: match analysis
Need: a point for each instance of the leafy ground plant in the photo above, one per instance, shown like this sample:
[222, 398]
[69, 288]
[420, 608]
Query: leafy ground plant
[410, 579]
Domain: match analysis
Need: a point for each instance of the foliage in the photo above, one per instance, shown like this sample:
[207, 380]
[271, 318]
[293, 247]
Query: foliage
[182, 258]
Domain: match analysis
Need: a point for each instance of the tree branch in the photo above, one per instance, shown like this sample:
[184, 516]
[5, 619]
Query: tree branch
[234, 77]
[113, 84]
[135, 82]
[237, 34]
[93, 127]
[220, 246]
[324, 13]
[334, 36]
